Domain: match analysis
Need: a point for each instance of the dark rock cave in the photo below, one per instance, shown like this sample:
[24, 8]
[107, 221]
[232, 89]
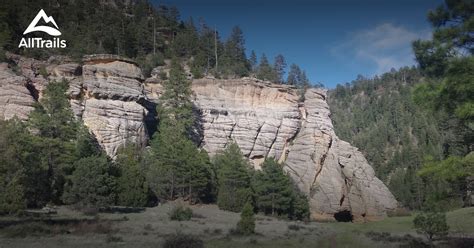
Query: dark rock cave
[344, 216]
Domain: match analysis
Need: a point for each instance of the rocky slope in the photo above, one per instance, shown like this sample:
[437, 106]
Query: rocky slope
[266, 120]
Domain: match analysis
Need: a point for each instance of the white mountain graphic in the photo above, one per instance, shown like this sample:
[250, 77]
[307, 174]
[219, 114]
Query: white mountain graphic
[49, 30]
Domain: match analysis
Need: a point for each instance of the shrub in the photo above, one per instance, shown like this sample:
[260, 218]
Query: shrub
[181, 213]
[180, 240]
[246, 225]
[431, 224]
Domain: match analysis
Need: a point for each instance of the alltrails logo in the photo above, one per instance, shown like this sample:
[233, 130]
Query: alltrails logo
[40, 42]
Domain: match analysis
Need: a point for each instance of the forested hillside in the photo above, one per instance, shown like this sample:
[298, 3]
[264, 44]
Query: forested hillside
[415, 124]
[380, 117]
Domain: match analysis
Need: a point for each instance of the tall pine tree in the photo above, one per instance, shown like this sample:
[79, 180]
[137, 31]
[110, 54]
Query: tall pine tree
[233, 178]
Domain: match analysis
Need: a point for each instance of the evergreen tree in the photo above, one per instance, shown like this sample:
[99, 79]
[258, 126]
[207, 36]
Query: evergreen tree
[57, 129]
[132, 187]
[294, 75]
[233, 178]
[253, 61]
[23, 177]
[447, 59]
[265, 71]
[177, 167]
[299, 206]
[246, 224]
[92, 183]
[234, 61]
[273, 189]
[279, 67]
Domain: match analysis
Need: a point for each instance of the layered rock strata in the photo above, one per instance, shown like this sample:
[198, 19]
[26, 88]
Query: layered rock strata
[266, 120]
[106, 92]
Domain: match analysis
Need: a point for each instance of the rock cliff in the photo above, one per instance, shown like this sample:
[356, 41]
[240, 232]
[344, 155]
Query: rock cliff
[106, 92]
[266, 120]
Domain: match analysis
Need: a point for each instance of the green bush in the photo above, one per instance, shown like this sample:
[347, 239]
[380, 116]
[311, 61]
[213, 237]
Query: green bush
[431, 224]
[180, 240]
[246, 225]
[181, 213]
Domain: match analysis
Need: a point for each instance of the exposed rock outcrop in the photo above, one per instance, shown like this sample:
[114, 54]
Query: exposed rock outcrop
[106, 92]
[266, 120]
[15, 98]
[261, 118]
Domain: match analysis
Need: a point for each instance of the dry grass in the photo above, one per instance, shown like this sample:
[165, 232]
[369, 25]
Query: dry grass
[152, 226]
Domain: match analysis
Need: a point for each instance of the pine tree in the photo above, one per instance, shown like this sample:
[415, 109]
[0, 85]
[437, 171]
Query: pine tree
[92, 183]
[279, 67]
[265, 71]
[294, 75]
[12, 174]
[246, 224]
[233, 178]
[273, 189]
[132, 186]
[177, 168]
[57, 129]
[253, 61]
[234, 61]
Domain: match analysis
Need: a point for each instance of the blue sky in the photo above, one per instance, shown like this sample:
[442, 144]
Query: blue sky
[333, 41]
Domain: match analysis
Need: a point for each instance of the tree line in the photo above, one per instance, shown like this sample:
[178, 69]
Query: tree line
[144, 32]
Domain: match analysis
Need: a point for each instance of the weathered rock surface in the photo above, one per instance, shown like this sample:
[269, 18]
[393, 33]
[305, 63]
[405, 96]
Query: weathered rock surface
[261, 118]
[266, 120]
[15, 98]
[104, 92]
[334, 174]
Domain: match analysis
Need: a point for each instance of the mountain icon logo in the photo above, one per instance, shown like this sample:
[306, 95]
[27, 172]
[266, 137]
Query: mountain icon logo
[49, 30]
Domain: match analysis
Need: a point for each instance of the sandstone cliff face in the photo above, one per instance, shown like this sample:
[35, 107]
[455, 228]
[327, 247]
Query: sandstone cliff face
[105, 91]
[266, 120]
[261, 118]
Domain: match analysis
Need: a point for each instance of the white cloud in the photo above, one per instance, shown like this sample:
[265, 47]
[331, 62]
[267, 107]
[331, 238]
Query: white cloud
[386, 45]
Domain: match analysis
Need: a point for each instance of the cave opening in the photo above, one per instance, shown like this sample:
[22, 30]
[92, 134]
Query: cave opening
[344, 216]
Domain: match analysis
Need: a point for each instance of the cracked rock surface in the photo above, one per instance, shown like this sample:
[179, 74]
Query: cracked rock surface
[106, 92]
[109, 94]
[266, 120]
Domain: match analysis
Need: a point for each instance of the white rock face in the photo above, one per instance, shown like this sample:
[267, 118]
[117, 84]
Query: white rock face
[261, 119]
[266, 120]
[104, 93]
[15, 98]
[334, 175]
